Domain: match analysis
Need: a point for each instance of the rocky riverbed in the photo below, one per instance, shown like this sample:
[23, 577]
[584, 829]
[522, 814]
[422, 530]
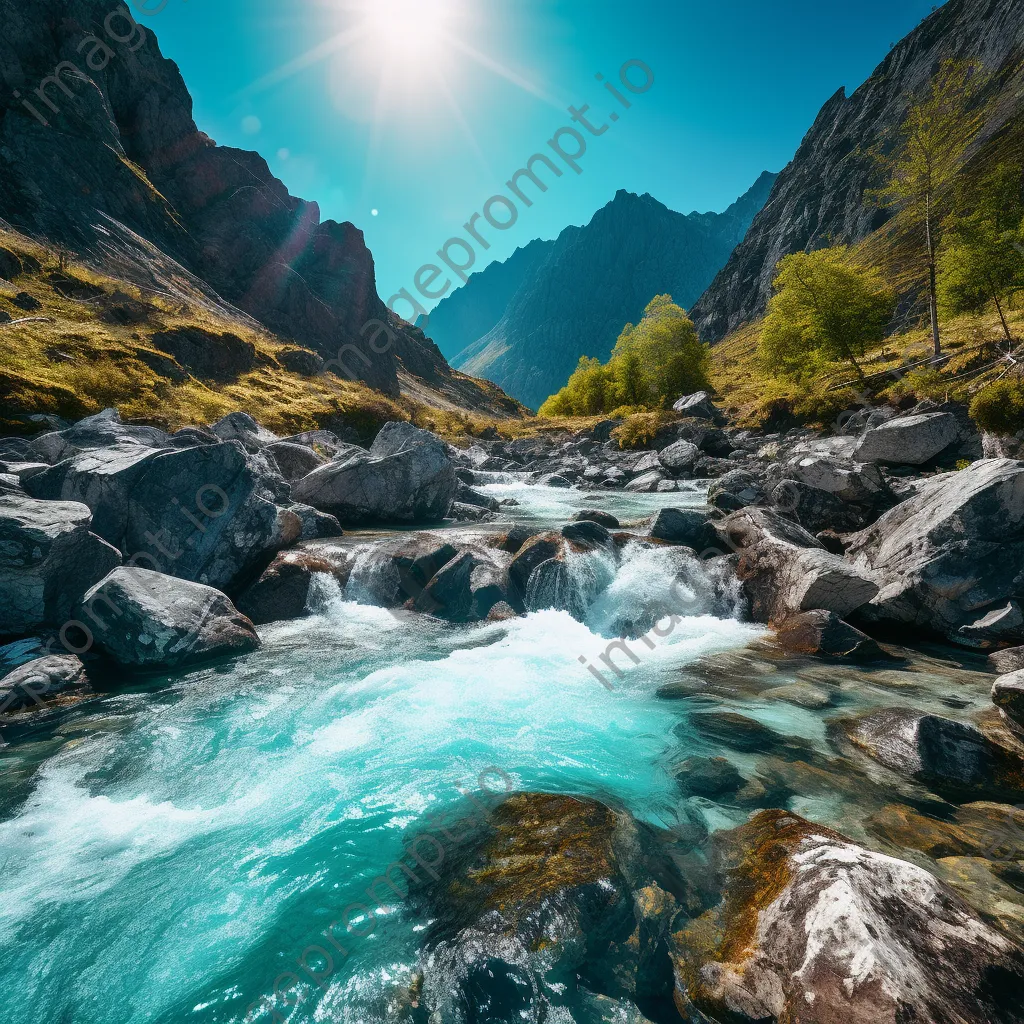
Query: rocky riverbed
[726, 729]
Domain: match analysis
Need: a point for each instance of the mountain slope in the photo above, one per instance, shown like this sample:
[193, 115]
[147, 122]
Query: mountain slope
[572, 296]
[105, 159]
[819, 199]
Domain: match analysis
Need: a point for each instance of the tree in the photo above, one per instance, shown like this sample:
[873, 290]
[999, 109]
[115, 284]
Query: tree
[824, 307]
[932, 141]
[982, 260]
[652, 364]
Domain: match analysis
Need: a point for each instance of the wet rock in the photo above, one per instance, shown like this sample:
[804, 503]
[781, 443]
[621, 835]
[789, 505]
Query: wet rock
[908, 440]
[605, 519]
[1008, 696]
[976, 880]
[710, 777]
[698, 404]
[407, 476]
[586, 534]
[513, 539]
[48, 559]
[553, 480]
[468, 496]
[283, 590]
[947, 555]
[1011, 659]
[786, 571]
[815, 929]
[294, 460]
[144, 619]
[954, 759]
[990, 830]
[687, 526]
[824, 634]
[803, 695]
[547, 895]
[539, 548]
[646, 482]
[465, 589]
[462, 513]
[40, 682]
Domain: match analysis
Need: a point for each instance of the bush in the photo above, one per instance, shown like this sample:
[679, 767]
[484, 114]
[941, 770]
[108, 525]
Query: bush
[641, 429]
[999, 407]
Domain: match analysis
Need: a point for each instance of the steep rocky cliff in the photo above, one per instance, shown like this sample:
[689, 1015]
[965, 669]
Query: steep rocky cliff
[524, 324]
[819, 199]
[99, 153]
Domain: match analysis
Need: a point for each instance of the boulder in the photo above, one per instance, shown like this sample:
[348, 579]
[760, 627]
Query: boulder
[814, 929]
[283, 589]
[315, 525]
[908, 440]
[586, 534]
[680, 457]
[41, 681]
[542, 889]
[951, 553]
[294, 460]
[646, 482]
[301, 361]
[1008, 696]
[954, 759]
[145, 619]
[849, 481]
[407, 476]
[742, 486]
[205, 514]
[698, 404]
[240, 426]
[823, 634]
[685, 526]
[465, 589]
[1010, 659]
[468, 496]
[814, 509]
[786, 571]
[48, 559]
[605, 519]
[647, 462]
[539, 548]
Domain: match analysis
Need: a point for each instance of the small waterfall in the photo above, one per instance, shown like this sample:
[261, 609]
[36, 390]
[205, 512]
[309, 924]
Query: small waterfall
[325, 594]
[374, 578]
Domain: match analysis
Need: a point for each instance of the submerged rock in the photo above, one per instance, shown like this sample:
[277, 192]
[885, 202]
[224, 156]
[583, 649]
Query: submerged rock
[814, 929]
[407, 476]
[144, 619]
[824, 634]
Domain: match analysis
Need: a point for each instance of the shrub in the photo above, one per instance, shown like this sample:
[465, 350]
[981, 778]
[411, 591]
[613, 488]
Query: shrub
[640, 429]
[999, 407]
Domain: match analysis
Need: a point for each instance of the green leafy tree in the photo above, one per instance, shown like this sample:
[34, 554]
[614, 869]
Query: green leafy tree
[933, 139]
[982, 259]
[652, 364]
[824, 308]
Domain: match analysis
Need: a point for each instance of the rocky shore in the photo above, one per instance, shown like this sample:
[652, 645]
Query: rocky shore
[127, 550]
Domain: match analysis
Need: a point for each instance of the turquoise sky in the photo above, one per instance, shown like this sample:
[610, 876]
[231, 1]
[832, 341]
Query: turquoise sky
[423, 109]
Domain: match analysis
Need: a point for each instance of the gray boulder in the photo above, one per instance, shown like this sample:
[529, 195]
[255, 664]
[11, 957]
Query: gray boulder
[240, 426]
[847, 480]
[48, 559]
[1010, 659]
[686, 526]
[1008, 696]
[646, 482]
[145, 619]
[786, 571]
[41, 681]
[465, 589]
[908, 440]
[951, 553]
[407, 476]
[294, 460]
[680, 457]
[698, 404]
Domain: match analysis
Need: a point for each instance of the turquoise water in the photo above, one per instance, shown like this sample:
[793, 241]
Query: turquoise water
[170, 852]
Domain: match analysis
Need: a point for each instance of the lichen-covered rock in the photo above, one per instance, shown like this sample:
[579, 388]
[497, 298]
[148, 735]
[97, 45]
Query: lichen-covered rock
[48, 560]
[144, 619]
[950, 553]
[814, 929]
[407, 476]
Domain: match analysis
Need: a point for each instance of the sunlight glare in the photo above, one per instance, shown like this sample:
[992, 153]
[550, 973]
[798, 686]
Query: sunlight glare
[413, 27]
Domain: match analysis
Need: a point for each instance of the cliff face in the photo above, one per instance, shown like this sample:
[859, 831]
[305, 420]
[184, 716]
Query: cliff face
[819, 199]
[524, 324]
[121, 174]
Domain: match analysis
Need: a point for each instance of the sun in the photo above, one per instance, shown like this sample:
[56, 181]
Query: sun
[414, 27]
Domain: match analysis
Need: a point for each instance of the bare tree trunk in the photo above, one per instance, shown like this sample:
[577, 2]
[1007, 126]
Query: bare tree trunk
[1002, 317]
[933, 284]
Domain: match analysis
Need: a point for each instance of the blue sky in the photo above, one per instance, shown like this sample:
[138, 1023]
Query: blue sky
[422, 109]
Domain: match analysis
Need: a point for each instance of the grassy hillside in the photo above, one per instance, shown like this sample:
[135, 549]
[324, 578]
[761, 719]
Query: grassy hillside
[95, 341]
